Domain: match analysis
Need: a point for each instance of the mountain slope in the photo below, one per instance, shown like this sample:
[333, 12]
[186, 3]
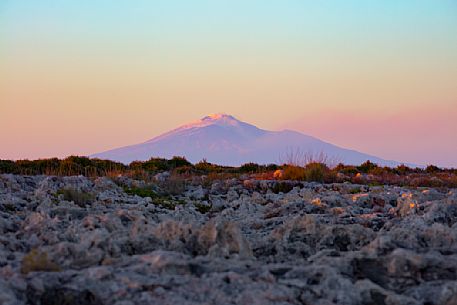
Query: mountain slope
[224, 140]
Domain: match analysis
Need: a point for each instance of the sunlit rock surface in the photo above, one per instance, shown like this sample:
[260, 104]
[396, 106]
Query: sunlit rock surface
[225, 242]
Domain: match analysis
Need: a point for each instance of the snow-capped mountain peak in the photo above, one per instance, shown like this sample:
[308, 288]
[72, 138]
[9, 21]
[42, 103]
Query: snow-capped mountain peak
[221, 119]
[221, 138]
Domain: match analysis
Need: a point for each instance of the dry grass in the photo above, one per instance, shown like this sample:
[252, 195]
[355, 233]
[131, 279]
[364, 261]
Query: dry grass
[300, 158]
[293, 172]
[37, 260]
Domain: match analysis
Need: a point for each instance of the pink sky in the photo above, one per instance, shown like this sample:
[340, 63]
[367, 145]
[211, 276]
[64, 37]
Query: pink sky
[379, 77]
[422, 136]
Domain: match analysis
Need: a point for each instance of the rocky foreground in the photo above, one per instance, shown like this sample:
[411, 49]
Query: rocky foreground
[231, 242]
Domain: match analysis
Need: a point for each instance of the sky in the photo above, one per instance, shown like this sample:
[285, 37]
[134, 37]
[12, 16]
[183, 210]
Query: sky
[80, 77]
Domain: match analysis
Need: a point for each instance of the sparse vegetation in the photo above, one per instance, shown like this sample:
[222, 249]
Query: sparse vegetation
[71, 166]
[346, 170]
[175, 185]
[282, 187]
[249, 168]
[37, 260]
[298, 166]
[431, 169]
[252, 168]
[367, 167]
[202, 208]
[141, 191]
[167, 202]
[80, 198]
[160, 164]
[312, 172]
[163, 200]
[298, 157]
[293, 172]
[316, 172]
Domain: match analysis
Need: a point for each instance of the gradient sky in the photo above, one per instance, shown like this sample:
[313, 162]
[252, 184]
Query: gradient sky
[79, 77]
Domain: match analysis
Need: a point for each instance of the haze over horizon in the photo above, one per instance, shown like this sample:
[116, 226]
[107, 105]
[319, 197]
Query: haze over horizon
[80, 77]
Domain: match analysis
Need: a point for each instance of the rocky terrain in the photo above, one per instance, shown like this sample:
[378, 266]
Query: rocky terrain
[74, 240]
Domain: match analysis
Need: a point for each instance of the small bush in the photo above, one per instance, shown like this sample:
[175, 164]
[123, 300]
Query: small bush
[367, 166]
[153, 165]
[173, 186]
[271, 167]
[348, 170]
[166, 202]
[378, 171]
[36, 260]
[184, 170]
[282, 187]
[160, 164]
[205, 166]
[292, 172]
[316, 172]
[355, 190]
[78, 197]
[141, 191]
[202, 208]
[178, 162]
[249, 168]
[402, 170]
[313, 172]
[8, 166]
[432, 169]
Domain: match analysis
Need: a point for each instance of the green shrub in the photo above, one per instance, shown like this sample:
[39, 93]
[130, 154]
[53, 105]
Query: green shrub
[154, 165]
[378, 171]
[78, 197]
[355, 190]
[202, 208]
[79, 161]
[160, 164]
[164, 201]
[316, 172]
[367, 166]
[167, 202]
[73, 165]
[403, 170]
[8, 166]
[249, 168]
[271, 167]
[205, 166]
[178, 162]
[348, 170]
[141, 191]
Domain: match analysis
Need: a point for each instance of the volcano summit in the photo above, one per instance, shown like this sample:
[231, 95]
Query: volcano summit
[222, 139]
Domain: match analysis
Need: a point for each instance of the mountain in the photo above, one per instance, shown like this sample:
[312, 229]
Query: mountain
[222, 139]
